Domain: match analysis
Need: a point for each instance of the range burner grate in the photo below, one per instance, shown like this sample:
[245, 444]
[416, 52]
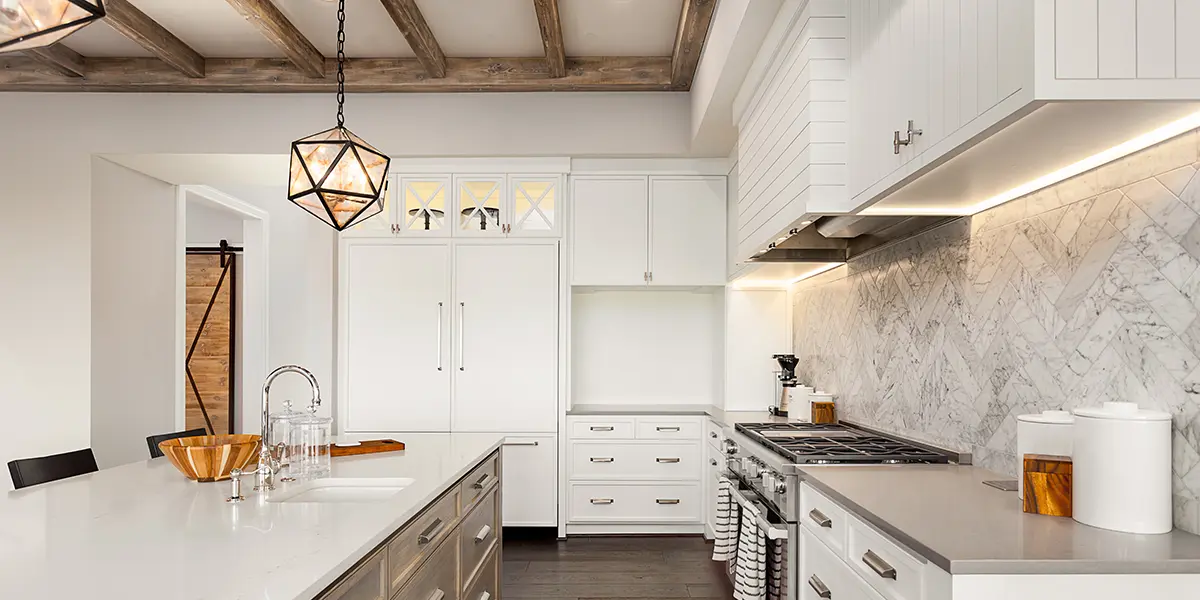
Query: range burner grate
[838, 448]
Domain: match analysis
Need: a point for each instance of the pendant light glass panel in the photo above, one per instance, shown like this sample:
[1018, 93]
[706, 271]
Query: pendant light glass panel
[337, 177]
[26, 24]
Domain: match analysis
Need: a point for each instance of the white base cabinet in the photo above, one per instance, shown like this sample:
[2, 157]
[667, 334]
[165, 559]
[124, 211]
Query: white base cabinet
[530, 480]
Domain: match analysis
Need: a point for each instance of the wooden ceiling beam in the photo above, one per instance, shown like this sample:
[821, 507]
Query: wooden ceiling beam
[694, 21]
[270, 21]
[552, 37]
[278, 75]
[62, 59]
[139, 27]
[411, 23]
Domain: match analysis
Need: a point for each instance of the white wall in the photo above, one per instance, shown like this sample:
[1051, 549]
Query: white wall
[207, 225]
[45, 263]
[133, 313]
[755, 329]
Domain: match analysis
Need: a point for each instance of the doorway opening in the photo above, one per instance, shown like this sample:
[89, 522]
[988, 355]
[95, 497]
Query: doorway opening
[211, 319]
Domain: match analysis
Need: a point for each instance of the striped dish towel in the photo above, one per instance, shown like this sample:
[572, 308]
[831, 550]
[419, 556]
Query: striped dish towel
[725, 529]
[751, 580]
[777, 569]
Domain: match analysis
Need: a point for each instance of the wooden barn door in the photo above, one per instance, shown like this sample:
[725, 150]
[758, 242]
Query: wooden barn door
[211, 331]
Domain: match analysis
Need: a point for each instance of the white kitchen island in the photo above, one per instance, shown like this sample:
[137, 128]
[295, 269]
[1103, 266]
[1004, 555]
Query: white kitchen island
[143, 531]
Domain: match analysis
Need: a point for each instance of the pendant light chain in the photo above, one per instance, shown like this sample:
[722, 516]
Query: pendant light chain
[341, 58]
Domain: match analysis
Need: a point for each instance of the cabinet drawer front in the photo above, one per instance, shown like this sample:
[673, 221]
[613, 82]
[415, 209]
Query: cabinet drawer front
[821, 571]
[602, 429]
[419, 538]
[826, 520]
[437, 578]
[368, 582]
[477, 482]
[668, 429]
[650, 503]
[480, 530]
[892, 571]
[714, 435]
[487, 582]
[624, 460]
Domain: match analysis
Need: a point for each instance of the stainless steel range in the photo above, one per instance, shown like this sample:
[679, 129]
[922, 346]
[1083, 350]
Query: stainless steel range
[764, 459]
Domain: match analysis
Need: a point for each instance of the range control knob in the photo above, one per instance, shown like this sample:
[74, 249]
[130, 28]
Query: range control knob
[778, 485]
[750, 467]
[731, 447]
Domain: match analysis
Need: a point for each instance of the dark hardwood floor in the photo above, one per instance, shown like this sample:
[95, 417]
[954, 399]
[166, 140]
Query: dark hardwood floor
[612, 568]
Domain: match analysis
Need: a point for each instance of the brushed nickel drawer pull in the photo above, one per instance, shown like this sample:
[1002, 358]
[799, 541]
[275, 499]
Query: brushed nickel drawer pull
[666, 429]
[430, 532]
[483, 533]
[482, 483]
[667, 501]
[819, 587]
[519, 444]
[667, 460]
[485, 596]
[599, 459]
[437, 594]
[879, 565]
[820, 519]
[601, 428]
[602, 500]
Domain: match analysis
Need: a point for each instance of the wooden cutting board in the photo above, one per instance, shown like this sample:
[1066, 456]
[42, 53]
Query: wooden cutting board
[367, 447]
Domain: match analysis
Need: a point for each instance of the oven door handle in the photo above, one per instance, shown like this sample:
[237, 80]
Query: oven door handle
[771, 530]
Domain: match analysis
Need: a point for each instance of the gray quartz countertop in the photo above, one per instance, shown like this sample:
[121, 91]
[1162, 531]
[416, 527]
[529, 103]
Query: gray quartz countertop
[723, 417]
[945, 514]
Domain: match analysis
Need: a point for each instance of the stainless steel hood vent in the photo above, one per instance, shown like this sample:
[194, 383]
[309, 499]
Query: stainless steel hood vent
[841, 238]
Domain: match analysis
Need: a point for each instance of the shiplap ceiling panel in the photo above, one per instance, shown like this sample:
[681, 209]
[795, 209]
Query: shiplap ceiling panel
[619, 27]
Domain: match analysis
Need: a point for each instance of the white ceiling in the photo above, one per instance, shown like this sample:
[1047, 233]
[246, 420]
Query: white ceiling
[463, 28]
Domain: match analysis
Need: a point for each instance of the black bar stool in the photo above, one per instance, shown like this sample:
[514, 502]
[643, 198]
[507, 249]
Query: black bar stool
[153, 440]
[44, 469]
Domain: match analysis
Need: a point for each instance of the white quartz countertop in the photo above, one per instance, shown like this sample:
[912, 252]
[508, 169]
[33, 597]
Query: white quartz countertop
[948, 516]
[144, 531]
[721, 416]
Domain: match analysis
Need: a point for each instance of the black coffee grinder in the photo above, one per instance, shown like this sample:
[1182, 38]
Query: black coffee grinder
[787, 382]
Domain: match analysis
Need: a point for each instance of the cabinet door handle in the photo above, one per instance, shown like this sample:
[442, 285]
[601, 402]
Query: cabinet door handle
[666, 429]
[462, 324]
[819, 518]
[712, 461]
[601, 428]
[819, 587]
[598, 459]
[437, 594]
[666, 460]
[430, 532]
[712, 434]
[651, 276]
[880, 566]
[482, 483]
[483, 534]
[534, 443]
[897, 142]
[439, 346]
[602, 500]
[666, 501]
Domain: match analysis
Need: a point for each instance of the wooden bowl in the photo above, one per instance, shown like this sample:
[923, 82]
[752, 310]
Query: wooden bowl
[212, 457]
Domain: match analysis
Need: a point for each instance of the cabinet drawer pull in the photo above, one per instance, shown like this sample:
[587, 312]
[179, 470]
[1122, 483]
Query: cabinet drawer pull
[712, 434]
[819, 587]
[485, 596]
[602, 500]
[667, 460]
[667, 501]
[519, 444]
[483, 481]
[595, 428]
[483, 534]
[879, 565]
[600, 459]
[712, 461]
[430, 532]
[820, 519]
[666, 429]
[437, 594]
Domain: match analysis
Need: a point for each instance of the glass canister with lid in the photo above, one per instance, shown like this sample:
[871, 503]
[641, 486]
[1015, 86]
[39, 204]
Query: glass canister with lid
[311, 440]
[281, 444]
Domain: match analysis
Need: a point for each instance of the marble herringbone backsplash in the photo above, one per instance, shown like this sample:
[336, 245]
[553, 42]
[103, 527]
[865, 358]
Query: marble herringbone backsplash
[1082, 292]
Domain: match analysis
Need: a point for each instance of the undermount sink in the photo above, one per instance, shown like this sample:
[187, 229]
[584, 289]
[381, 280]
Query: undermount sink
[376, 489]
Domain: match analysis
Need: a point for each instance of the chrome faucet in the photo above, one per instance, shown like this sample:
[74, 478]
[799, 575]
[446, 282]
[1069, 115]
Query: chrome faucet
[267, 465]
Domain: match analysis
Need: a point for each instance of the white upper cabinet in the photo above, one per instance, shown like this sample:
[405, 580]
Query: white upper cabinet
[648, 231]
[479, 205]
[535, 205]
[422, 205]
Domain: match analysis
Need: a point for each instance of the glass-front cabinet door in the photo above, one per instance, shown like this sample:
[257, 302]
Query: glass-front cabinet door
[536, 205]
[379, 225]
[424, 209]
[479, 205]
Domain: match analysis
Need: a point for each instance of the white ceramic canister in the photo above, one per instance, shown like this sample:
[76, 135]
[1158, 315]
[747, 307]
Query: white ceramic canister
[1047, 432]
[1122, 468]
[800, 405]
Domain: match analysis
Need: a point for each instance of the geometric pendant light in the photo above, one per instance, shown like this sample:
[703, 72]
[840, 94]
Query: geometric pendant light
[334, 174]
[27, 24]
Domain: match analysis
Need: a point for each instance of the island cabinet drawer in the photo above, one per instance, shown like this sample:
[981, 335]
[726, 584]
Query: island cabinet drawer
[618, 428]
[826, 520]
[895, 573]
[417, 540]
[367, 582]
[825, 576]
[478, 482]
[486, 585]
[437, 579]
[668, 428]
[480, 529]
[634, 460]
[635, 503]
